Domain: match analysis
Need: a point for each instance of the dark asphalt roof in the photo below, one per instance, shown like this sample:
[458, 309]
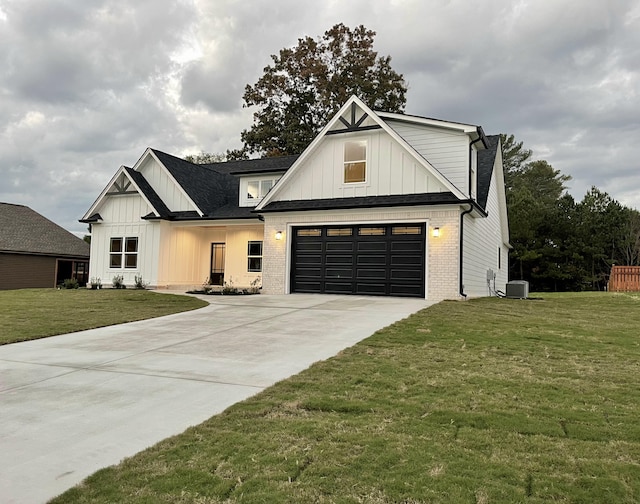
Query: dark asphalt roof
[486, 158]
[148, 191]
[214, 188]
[23, 230]
[362, 202]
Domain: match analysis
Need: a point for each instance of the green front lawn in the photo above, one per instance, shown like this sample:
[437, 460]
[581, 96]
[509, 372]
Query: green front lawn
[486, 401]
[37, 313]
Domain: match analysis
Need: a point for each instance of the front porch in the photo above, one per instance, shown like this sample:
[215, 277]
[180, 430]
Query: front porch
[193, 255]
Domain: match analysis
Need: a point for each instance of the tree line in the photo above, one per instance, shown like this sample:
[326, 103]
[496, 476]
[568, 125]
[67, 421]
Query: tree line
[560, 244]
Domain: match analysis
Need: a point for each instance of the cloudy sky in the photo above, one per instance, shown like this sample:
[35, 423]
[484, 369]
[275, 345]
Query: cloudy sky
[87, 85]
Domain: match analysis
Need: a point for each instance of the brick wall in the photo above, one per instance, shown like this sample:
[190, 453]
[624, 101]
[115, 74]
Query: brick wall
[442, 252]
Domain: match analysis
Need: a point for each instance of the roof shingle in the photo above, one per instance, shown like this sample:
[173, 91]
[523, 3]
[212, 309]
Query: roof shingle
[23, 230]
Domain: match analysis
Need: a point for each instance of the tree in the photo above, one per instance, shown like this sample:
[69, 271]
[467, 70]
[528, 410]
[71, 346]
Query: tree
[630, 246]
[514, 158]
[604, 227]
[308, 83]
[206, 158]
[538, 206]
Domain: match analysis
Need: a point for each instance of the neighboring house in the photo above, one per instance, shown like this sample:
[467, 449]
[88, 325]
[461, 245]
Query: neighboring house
[378, 204]
[35, 252]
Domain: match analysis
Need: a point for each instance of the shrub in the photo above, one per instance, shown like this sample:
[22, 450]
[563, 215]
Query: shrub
[118, 282]
[140, 284]
[70, 283]
[254, 287]
[229, 288]
[95, 283]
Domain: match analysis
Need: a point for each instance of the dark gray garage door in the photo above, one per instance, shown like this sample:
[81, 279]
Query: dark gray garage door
[380, 260]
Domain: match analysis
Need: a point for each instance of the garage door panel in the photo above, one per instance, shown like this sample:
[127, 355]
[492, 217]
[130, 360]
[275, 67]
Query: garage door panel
[371, 289]
[406, 260]
[371, 260]
[403, 275]
[338, 287]
[339, 246]
[372, 246]
[343, 273]
[312, 259]
[307, 246]
[309, 287]
[339, 259]
[406, 246]
[360, 259]
[406, 290]
[310, 272]
[371, 274]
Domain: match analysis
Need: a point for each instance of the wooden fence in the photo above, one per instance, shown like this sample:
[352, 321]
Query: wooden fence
[624, 279]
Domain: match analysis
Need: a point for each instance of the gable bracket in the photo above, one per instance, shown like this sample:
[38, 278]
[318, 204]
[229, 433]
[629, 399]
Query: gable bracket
[351, 129]
[353, 124]
[122, 189]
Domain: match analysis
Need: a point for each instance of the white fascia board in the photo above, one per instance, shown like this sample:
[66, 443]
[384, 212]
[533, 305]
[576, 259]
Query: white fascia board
[377, 117]
[498, 172]
[465, 128]
[99, 199]
[149, 152]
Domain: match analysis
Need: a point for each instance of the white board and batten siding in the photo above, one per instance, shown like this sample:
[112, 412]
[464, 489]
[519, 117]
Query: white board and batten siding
[185, 254]
[447, 151]
[121, 218]
[390, 170]
[164, 186]
[482, 240]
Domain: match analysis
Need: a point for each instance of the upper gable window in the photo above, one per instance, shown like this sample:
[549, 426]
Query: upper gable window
[355, 161]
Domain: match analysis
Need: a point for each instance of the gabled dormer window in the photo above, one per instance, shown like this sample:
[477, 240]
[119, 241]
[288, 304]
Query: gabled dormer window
[258, 189]
[253, 189]
[355, 161]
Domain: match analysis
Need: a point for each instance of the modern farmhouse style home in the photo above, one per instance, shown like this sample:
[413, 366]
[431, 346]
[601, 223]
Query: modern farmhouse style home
[378, 204]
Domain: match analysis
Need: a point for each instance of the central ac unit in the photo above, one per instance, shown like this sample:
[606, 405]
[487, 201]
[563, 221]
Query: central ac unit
[518, 289]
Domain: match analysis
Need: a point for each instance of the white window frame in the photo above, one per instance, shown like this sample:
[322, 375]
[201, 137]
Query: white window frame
[264, 183]
[361, 142]
[123, 253]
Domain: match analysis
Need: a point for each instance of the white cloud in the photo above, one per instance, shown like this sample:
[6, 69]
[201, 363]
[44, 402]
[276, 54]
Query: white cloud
[87, 86]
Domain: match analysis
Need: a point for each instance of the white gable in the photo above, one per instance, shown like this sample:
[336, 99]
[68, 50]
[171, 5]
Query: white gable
[164, 185]
[390, 169]
[394, 167]
[126, 208]
[120, 186]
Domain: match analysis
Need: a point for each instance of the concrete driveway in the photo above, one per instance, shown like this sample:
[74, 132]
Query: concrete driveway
[75, 403]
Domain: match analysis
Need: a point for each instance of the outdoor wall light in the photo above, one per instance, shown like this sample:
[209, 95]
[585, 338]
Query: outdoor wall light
[278, 235]
[436, 232]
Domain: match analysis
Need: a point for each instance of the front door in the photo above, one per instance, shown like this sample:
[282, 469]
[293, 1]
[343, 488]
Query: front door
[217, 264]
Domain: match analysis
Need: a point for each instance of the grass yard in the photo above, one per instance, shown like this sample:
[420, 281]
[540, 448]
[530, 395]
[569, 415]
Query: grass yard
[37, 313]
[485, 401]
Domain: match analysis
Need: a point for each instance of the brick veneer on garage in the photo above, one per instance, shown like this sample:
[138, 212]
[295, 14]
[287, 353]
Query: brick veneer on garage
[442, 256]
